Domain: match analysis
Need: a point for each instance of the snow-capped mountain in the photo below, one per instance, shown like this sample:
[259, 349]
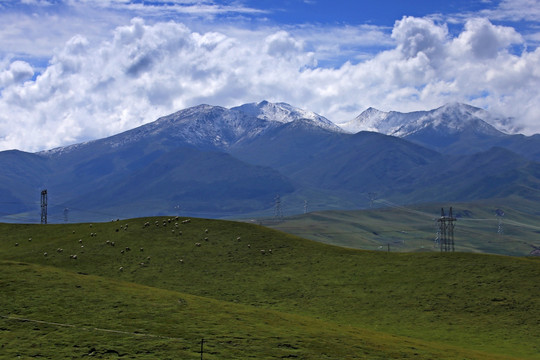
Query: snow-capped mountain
[451, 118]
[284, 113]
[213, 161]
[212, 126]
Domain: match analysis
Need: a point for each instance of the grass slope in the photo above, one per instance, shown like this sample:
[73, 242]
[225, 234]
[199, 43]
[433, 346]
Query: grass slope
[413, 228]
[303, 299]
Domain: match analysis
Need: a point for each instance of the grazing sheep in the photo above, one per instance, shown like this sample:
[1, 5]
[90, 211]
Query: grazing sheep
[176, 218]
[121, 268]
[198, 244]
[82, 246]
[270, 251]
[181, 261]
[121, 251]
[90, 225]
[238, 238]
[148, 258]
[141, 249]
[206, 231]
[263, 252]
[80, 241]
[205, 239]
[29, 239]
[249, 246]
[59, 250]
[74, 257]
[128, 249]
[16, 244]
[45, 254]
[112, 243]
[74, 231]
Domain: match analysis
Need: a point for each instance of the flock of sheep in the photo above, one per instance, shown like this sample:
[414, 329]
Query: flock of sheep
[158, 224]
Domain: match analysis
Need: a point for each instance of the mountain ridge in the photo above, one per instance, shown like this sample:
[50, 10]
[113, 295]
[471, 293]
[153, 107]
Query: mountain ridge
[233, 162]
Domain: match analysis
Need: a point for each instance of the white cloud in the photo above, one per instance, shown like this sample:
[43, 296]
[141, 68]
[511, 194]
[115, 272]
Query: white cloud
[418, 35]
[514, 10]
[17, 72]
[486, 40]
[91, 89]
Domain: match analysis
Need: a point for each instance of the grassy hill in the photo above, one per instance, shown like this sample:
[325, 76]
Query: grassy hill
[155, 294]
[414, 228]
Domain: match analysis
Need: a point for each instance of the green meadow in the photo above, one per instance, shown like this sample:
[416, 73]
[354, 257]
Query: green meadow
[414, 228]
[156, 291]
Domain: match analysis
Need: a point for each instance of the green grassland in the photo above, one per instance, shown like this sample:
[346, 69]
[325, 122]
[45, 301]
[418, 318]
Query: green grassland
[414, 228]
[156, 294]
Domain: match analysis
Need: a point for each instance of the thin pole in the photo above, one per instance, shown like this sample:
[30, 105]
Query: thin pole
[202, 343]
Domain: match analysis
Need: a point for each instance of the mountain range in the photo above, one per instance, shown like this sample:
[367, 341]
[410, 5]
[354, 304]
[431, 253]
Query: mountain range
[212, 161]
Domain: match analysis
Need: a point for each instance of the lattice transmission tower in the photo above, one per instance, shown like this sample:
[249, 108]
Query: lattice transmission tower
[278, 213]
[446, 231]
[44, 206]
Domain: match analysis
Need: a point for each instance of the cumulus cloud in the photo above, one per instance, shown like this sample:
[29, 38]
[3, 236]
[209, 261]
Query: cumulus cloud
[92, 89]
[15, 73]
[417, 35]
[486, 40]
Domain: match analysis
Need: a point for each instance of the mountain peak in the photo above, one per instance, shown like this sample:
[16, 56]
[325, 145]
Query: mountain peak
[370, 119]
[284, 113]
[452, 117]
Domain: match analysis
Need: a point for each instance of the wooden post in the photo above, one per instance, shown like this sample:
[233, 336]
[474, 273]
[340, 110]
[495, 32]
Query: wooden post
[202, 343]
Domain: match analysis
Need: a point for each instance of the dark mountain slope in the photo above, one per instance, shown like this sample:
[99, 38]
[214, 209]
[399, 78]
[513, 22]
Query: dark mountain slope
[195, 181]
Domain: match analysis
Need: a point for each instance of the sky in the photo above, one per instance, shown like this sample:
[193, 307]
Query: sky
[73, 71]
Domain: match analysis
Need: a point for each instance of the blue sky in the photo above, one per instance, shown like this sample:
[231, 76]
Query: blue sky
[72, 71]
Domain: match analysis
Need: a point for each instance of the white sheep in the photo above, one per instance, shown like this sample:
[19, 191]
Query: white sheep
[197, 244]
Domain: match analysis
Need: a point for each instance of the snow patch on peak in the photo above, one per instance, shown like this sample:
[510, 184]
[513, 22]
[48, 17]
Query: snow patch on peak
[284, 113]
[451, 118]
[370, 119]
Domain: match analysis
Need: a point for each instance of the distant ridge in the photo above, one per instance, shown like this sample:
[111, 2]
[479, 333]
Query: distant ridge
[452, 117]
[210, 161]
